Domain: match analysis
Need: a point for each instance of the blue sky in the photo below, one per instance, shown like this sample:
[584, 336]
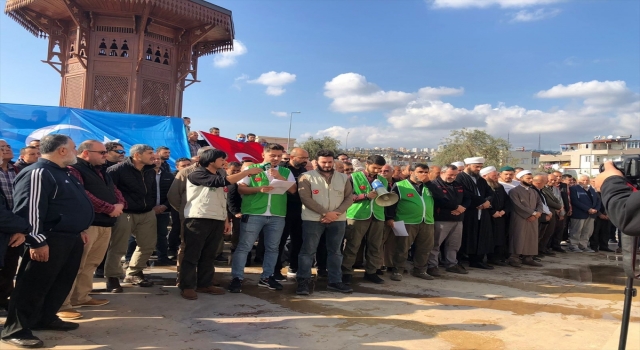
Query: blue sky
[401, 73]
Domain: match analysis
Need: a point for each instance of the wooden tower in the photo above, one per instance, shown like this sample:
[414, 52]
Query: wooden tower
[130, 56]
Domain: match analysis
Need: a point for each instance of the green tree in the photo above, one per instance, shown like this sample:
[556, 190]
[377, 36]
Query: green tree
[312, 145]
[466, 143]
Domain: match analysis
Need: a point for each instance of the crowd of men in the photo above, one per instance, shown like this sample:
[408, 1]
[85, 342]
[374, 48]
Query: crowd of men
[73, 214]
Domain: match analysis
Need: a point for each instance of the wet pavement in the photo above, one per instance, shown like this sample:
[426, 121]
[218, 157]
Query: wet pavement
[573, 302]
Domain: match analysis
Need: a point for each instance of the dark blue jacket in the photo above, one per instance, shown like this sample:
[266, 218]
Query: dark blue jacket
[52, 201]
[10, 224]
[581, 202]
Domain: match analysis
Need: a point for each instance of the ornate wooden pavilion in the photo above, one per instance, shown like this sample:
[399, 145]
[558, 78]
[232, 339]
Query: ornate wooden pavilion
[131, 56]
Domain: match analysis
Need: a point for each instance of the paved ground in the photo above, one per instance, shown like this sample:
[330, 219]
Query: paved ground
[573, 302]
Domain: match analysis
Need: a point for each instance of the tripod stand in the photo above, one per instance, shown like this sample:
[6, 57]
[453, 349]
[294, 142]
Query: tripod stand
[629, 249]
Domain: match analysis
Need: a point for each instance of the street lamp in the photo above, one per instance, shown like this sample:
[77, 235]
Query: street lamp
[346, 142]
[289, 136]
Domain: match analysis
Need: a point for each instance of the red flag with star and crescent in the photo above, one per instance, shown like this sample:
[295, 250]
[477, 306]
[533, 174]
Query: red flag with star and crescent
[236, 151]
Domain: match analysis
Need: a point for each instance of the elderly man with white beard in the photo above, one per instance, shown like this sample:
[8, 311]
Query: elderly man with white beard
[500, 210]
[523, 231]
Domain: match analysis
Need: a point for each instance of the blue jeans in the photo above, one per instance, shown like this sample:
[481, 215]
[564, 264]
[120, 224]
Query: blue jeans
[250, 227]
[311, 233]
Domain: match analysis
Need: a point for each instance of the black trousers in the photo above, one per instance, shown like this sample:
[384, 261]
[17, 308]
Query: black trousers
[174, 234]
[7, 273]
[602, 231]
[545, 232]
[42, 287]
[201, 238]
[292, 231]
[558, 232]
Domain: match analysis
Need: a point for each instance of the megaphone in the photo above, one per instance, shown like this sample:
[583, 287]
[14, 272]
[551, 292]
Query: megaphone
[385, 198]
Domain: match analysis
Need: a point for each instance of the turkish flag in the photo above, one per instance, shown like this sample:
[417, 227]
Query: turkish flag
[236, 151]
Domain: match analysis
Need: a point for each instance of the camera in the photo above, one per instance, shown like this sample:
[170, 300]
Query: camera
[629, 165]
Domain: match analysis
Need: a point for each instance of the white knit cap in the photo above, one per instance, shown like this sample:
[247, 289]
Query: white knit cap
[523, 173]
[458, 164]
[487, 170]
[474, 160]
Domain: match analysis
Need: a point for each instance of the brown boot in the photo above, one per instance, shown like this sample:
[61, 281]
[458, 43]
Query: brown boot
[529, 261]
[189, 294]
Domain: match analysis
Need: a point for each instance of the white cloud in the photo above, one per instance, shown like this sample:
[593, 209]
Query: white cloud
[487, 3]
[425, 120]
[237, 81]
[274, 82]
[351, 92]
[280, 114]
[228, 59]
[532, 16]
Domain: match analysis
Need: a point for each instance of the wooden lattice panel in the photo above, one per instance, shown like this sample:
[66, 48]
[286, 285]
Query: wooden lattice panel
[155, 98]
[73, 91]
[110, 93]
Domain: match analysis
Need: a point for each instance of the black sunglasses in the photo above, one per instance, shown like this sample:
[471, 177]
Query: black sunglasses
[119, 151]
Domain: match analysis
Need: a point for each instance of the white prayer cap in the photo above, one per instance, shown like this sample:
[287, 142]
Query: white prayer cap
[523, 173]
[458, 164]
[474, 160]
[487, 170]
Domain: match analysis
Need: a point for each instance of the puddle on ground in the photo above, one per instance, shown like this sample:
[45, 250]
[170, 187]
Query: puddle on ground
[591, 274]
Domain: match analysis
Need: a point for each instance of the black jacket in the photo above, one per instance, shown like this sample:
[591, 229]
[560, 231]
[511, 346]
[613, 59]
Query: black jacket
[10, 224]
[622, 202]
[102, 188]
[294, 204]
[138, 187]
[455, 194]
[52, 201]
[564, 192]
[234, 200]
[166, 179]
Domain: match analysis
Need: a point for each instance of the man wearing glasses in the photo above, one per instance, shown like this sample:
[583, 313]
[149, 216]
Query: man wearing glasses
[115, 153]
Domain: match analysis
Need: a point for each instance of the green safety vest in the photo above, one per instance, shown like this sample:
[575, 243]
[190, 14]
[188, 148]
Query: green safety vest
[256, 204]
[362, 210]
[412, 207]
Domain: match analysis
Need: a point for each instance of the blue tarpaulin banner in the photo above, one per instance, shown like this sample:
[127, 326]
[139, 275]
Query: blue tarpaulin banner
[19, 124]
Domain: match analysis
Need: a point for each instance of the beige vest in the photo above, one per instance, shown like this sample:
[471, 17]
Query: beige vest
[206, 202]
[328, 196]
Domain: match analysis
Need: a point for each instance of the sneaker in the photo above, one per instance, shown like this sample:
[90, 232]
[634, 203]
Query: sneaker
[303, 286]
[270, 283]
[69, 314]
[346, 279]
[434, 271]
[589, 250]
[424, 275]
[339, 287]
[138, 279]
[279, 277]
[396, 275]
[372, 277]
[93, 302]
[574, 249]
[291, 272]
[457, 269]
[322, 273]
[235, 286]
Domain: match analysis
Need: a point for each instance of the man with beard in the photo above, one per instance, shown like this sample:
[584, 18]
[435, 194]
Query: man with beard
[523, 229]
[388, 238]
[553, 196]
[547, 221]
[448, 222]
[477, 235]
[298, 159]
[348, 168]
[326, 195]
[434, 172]
[365, 218]
[59, 211]
[115, 153]
[500, 209]
[506, 178]
[415, 208]
[164, 153]
[559, 191]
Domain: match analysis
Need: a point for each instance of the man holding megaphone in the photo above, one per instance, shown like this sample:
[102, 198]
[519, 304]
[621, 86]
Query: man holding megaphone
[365, 217]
